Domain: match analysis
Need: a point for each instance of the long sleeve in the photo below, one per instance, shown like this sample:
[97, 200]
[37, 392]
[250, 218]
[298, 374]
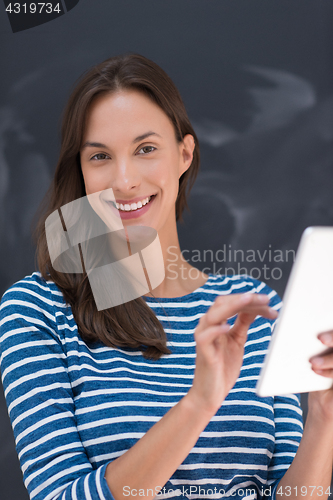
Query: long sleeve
[288, 434]
[40, 400]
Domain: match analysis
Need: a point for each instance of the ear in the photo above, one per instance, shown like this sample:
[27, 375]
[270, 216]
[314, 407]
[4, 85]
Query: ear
[186, 153]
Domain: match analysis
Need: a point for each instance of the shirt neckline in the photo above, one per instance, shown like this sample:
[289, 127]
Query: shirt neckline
[182, 297]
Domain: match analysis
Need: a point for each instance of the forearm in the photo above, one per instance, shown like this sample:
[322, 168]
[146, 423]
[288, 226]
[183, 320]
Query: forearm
[154, 458]
[309, 476]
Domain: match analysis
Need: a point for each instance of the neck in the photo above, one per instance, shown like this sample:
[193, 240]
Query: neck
[181, 278]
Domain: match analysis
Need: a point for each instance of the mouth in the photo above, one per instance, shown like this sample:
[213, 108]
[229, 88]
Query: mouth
[128, 211]
[133, 207]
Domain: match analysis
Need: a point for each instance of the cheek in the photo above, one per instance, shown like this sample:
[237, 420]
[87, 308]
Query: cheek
[168, 183]
[87, 183]
[93, 180]
[167, 173]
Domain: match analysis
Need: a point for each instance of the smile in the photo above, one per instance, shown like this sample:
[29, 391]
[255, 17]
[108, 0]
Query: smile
[133, 210]
[133, 206]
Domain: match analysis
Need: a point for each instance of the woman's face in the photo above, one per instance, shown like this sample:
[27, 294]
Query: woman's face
[129, 145]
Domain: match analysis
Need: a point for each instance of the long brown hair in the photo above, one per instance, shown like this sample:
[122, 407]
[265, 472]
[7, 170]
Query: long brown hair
[132, 324]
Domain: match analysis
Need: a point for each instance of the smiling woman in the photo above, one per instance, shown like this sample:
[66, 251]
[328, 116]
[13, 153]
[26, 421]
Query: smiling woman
[106, 131]
[155, 396]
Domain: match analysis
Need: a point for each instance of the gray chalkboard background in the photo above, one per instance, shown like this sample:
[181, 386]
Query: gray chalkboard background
[257, 80]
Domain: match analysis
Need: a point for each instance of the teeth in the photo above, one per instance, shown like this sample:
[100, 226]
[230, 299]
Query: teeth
[133, 206]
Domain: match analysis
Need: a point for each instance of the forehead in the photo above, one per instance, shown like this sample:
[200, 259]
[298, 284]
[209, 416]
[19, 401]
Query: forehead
[128, 110]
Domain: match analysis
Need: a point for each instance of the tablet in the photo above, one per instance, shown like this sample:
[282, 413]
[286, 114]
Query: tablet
[307, 310]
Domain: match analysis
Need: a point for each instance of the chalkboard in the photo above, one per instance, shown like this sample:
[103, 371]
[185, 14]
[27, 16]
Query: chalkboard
[257, 80]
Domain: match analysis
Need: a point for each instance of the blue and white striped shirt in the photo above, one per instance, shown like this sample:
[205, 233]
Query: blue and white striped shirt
[75, 407]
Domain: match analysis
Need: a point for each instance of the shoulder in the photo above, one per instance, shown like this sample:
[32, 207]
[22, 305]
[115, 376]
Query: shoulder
[33, 289]
[31, 299]
[240, 283]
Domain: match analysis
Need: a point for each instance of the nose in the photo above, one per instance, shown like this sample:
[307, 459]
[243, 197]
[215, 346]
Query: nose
[126, 177]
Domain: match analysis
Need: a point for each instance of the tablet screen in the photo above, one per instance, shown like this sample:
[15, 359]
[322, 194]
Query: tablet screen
[307, 311]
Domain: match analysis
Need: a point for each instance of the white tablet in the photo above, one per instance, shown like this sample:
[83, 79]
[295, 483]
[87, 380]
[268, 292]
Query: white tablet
[307, 310]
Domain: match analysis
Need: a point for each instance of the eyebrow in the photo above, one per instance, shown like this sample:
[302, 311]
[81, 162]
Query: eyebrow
[100, 145]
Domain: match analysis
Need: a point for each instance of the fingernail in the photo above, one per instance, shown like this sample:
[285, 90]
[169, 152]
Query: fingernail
[246, 297]
[317, 361]
[326, 338]
[316, 370]
[225, 327]
[263, 298]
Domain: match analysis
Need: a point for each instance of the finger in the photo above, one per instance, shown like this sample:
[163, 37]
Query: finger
[323, 362]
[326, 338]
[324, 373]
[266, 311]
[241, 326]
[206, 337]
[225, 307]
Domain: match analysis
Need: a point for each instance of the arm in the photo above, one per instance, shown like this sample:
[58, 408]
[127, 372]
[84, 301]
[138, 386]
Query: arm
[312, 466]
[40, 399]
[288, 421]
[309, 476]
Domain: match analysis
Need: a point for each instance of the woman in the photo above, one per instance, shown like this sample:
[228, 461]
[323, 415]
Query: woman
[155, 396]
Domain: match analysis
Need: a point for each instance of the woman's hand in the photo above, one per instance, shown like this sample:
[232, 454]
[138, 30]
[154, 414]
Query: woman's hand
[220, 349]
[321, 402]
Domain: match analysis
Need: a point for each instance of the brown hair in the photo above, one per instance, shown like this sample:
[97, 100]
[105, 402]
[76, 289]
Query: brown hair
[132, 324]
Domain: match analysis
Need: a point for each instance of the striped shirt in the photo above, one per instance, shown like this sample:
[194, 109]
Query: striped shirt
[74, 407]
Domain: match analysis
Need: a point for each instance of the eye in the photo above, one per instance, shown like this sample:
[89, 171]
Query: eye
[147, 149]
[100, 157]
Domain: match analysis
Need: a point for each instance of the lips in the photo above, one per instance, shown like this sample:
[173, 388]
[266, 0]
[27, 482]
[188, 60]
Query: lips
[129, 207]
[129, 214]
